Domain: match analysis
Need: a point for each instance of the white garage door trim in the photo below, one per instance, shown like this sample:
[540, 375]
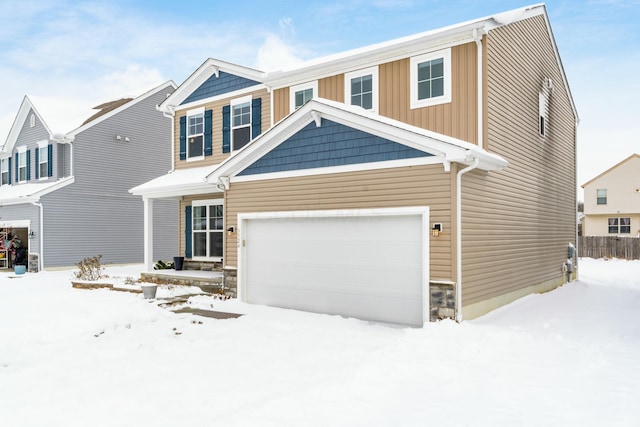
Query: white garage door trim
[422, 212]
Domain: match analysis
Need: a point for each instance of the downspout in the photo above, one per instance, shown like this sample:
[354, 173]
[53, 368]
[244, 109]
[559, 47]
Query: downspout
[41, 257]
[474, 165]
[477, 37]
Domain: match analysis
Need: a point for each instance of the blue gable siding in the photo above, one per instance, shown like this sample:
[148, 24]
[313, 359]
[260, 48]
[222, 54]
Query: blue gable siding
[219, 85]
[331, 144]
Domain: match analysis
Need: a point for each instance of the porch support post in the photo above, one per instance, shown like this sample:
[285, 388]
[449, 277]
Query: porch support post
[148, 233]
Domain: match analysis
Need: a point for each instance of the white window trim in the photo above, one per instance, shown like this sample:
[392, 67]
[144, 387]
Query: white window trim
[22, 153]
[41, 145]
[413, 76]
[193, 112]
[232, 104]
[207, 202]
[374, 82]
[297, 88]
[5, 162]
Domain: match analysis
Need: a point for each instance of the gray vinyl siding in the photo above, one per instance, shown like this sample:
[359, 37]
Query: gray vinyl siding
[24, 212]
[518, 222]
[96, 214]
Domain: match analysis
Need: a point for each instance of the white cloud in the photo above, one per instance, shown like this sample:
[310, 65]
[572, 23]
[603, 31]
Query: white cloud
[133, 81]
[275, 54]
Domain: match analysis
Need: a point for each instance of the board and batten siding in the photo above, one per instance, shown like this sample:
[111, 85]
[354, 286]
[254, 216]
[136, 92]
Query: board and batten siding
[384, 188]
[216, 107]
[518, 222]
[457, 118]
[97, 214]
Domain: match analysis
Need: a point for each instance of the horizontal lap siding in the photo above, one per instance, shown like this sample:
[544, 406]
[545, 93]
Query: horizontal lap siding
[457, 118]
[216, 135]
[411, 186]
[518, 222]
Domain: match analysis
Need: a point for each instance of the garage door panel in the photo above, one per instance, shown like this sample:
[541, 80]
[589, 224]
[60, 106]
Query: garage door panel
[370, 268]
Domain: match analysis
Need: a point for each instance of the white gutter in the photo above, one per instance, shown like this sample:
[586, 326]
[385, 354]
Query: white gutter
[41, 238]
[476, 162]
[477, 37]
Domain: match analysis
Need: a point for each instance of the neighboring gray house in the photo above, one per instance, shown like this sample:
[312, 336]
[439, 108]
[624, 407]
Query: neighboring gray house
[65, 175]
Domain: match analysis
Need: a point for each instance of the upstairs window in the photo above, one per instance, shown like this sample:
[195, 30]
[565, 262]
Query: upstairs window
[195, 134]
[301, 94]
[543, 107]
[240, 122]
[22, 165]
[601, 196]
[5, 171]
[430, 76]
[361, 88]
[43, 159]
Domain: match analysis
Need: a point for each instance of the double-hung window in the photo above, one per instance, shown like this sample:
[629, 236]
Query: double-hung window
[430, 76]
[5, 171]
[240, 122]
[601, 196]
[361, 88]
[43, 161]
[22, 164]
[207, 228]
[195, 134]
[301, 94]
[619, 225]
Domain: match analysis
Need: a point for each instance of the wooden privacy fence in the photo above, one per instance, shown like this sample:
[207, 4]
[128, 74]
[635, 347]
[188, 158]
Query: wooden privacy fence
[609, 247]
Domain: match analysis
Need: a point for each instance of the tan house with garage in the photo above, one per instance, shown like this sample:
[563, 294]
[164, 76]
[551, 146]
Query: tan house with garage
[426, 177]
[612, 201]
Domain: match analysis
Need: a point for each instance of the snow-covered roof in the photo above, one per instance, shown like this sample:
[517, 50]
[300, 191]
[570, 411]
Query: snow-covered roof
[30, 192]
[177, 183]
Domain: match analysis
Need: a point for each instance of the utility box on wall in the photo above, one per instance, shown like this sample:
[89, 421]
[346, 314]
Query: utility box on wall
[34, 261]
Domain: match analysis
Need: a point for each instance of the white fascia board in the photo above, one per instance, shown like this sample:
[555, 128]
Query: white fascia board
[210, 67]
[396, 49]
[18, 122]
[37, 194]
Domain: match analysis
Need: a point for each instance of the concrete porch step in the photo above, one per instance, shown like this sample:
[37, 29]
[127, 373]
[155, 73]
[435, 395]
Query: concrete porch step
[208, 281]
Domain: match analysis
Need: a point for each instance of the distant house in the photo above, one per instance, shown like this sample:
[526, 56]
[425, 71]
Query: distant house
[612, 201]
[65, 175]
[425, 177]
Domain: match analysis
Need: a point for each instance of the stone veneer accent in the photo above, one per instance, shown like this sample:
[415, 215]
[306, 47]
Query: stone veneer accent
[442, 301]
[230, 280]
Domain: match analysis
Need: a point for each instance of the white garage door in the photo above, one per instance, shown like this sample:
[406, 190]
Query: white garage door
[369, 264]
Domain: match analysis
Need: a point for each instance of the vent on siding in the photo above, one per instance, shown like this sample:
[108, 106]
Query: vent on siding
[32, 120]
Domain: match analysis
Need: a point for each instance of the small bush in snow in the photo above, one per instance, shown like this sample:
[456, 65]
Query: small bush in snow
[89, 268]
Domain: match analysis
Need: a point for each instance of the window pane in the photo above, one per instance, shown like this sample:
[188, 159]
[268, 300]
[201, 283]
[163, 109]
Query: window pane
[299, 99]
[196, 148]
[242, 114]
[424, 71]
[195, 124]
[625, 225]
[199, 217]
[367, 83]
[200, 244]
[437, 87]
[44, 170]
[437, 68]
[215, 244]
[613, 225]
[241, 137]
[367, 101]
[356, 87]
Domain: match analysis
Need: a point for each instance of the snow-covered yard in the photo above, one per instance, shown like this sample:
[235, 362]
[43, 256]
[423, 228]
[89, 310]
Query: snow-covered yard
[72, 357]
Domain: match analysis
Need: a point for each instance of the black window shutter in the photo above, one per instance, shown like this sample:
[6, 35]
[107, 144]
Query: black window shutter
[17, 168]
[9, 170]
[256, 113]
[50, 160]
[183, 138]
[28, 165]
[36, 151]
[208, 124]
[187, 231]
[226, 129]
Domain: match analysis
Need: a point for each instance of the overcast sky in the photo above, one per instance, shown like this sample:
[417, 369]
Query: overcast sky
[96, 51]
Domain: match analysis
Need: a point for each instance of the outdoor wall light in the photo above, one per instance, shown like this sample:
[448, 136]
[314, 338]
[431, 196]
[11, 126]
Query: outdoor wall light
[32, 234]
[231, 230]
[436, 229]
